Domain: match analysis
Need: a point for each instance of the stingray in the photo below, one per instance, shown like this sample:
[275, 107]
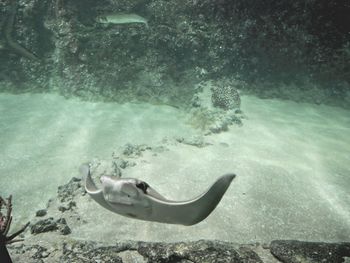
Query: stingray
[136, 199]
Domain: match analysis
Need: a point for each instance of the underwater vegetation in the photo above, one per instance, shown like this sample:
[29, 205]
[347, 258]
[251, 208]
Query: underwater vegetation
[5, 225]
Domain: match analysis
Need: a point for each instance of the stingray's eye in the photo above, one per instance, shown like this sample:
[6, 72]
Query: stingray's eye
[143, 186]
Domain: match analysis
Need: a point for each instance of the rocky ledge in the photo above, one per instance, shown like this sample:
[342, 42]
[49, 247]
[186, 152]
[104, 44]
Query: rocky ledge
[288, 251]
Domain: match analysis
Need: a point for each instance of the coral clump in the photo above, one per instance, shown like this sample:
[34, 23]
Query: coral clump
[226, 97]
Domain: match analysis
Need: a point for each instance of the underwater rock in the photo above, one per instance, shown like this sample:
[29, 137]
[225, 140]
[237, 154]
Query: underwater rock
[39, 252]
[41, 212]
[202, 251]
[214, 121]
[131, 150]
[197, 141]
[195, 101]
[293, 251]
[67, 206]
[43, 226]
[93, 253]
[199, 251]
[63, 226]
[120, 163]
[215, 106]
[34, 253]
[266, 47]
[109, 168]
[67, 191]
[49, 225]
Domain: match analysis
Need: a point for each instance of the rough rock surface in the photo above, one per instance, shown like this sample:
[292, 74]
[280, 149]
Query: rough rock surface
[268, 44]
[298, 251]
[203, 251]
[50, 224]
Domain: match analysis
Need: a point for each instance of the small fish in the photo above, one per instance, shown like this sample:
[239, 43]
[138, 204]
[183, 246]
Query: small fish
[119, 18]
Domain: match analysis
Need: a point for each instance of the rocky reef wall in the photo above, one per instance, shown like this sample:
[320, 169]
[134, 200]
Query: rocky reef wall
[296, 50]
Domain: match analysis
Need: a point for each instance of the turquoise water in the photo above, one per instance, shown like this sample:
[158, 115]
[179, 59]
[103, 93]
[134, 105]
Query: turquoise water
[291, 160]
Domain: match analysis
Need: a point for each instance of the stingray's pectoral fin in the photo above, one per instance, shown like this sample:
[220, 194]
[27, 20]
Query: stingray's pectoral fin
[193, 211]
[91, 188]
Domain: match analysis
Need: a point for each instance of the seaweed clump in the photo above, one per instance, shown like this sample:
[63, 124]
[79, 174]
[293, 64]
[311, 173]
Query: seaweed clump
[5, 224]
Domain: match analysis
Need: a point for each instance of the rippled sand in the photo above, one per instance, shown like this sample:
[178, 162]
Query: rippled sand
[291, 160]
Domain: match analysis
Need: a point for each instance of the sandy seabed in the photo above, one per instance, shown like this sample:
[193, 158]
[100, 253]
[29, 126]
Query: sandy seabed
[292, 162]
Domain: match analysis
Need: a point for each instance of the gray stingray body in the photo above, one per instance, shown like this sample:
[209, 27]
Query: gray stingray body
[134, 198]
